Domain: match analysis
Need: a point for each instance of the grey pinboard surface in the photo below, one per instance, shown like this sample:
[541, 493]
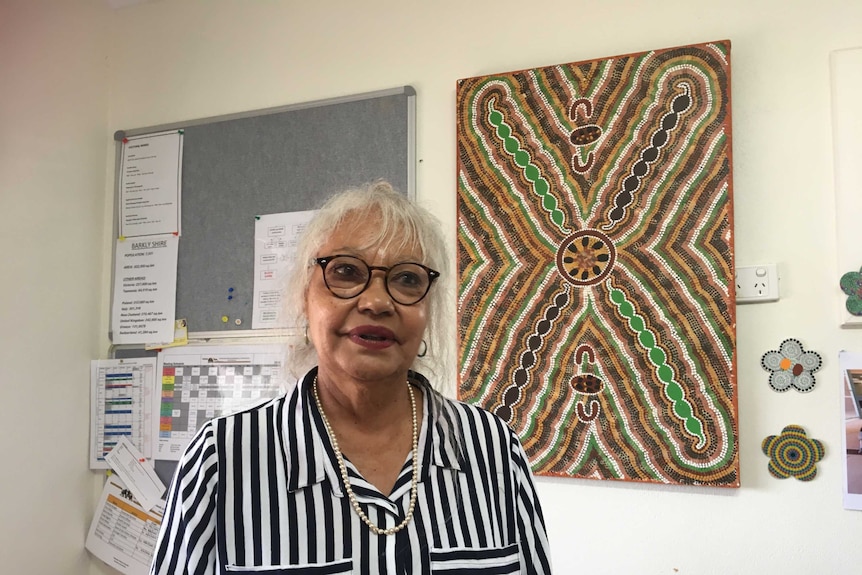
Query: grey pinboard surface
[291, 160]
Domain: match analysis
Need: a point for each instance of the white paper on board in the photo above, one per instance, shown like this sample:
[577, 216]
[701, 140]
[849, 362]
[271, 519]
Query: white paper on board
[122, 533]
[150, 184]
[137, 473]
[275, 242]
[121, 400]
[198, 383]
[145, 289]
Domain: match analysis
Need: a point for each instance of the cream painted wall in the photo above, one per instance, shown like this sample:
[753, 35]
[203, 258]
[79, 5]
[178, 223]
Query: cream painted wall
[216, 57]
[183, 59]
[174, 60]
[53, 120]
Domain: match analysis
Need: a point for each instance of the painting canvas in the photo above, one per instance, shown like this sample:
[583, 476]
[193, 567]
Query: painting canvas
[596, 307]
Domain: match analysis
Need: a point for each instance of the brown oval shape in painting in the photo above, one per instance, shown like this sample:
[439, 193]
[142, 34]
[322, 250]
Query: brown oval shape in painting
[587, 383]
[585, 135]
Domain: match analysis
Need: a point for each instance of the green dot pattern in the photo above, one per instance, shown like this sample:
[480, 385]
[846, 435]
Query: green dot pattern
[672, 389]
[531, 171]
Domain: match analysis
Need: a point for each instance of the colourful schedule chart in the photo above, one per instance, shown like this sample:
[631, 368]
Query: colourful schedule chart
[120, 406]
[198, 383]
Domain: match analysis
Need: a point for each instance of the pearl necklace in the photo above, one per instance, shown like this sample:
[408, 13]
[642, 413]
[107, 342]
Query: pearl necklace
[345, 478]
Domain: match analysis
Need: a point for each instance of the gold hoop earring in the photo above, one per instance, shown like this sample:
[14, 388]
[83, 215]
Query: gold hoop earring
[424, 349]
[306, 335]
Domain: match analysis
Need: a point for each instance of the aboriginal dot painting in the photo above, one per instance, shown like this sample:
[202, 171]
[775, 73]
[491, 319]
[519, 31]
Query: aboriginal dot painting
[595, 259]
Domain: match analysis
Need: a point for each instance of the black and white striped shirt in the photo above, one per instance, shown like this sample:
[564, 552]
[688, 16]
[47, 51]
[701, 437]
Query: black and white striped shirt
[260, 491]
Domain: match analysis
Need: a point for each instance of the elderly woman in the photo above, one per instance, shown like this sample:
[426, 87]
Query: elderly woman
[362, 467]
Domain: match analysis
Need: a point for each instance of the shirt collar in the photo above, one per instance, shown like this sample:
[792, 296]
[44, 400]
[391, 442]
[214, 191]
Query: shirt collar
[309, 453]
[441, 418]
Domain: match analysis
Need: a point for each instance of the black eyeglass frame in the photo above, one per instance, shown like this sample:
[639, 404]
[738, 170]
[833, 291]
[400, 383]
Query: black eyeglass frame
[324, 261]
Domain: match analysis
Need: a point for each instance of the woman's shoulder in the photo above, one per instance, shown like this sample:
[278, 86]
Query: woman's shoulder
[467, 412]
[484, 416]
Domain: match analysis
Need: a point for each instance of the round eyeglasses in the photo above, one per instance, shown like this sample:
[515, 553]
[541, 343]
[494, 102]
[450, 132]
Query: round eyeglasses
[347, 276]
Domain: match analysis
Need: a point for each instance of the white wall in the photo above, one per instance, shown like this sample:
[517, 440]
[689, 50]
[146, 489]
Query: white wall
[174, 60]
[53, 122]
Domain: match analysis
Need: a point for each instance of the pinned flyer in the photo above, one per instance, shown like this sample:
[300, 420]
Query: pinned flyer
[150, 184]
[275, 241]
[121, 405]
[145, 290]
[137, 473]
[122, 533]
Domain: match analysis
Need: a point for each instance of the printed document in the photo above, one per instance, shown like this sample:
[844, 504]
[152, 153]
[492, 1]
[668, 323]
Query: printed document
[150, 180]
[121, 406]
[137, 473]
[199, 383]
[275, 241]
[122, 533]
[145, 288]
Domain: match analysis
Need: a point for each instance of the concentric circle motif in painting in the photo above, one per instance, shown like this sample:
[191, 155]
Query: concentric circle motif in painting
[595, 249]
[586, 257]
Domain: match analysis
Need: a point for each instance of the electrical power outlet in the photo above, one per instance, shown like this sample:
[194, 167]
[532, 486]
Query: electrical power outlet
[757, 284]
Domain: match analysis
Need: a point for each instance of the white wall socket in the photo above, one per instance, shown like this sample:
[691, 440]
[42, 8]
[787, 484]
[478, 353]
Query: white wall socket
[756, 284]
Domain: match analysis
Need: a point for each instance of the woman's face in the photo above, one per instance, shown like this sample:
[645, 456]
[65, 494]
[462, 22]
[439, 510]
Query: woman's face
[369, 337]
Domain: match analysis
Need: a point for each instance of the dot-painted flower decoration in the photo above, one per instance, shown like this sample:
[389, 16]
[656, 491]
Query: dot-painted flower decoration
[851, 284]
[793, 453]
[791, 366]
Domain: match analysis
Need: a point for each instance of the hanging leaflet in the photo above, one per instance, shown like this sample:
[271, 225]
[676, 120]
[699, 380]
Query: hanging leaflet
[145, 287]
[123, 534]
[275, 241]
[137, 473]
[121, 399]
[150, 184]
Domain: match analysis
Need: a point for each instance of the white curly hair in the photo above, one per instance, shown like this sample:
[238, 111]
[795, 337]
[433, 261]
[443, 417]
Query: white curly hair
[399, 222]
